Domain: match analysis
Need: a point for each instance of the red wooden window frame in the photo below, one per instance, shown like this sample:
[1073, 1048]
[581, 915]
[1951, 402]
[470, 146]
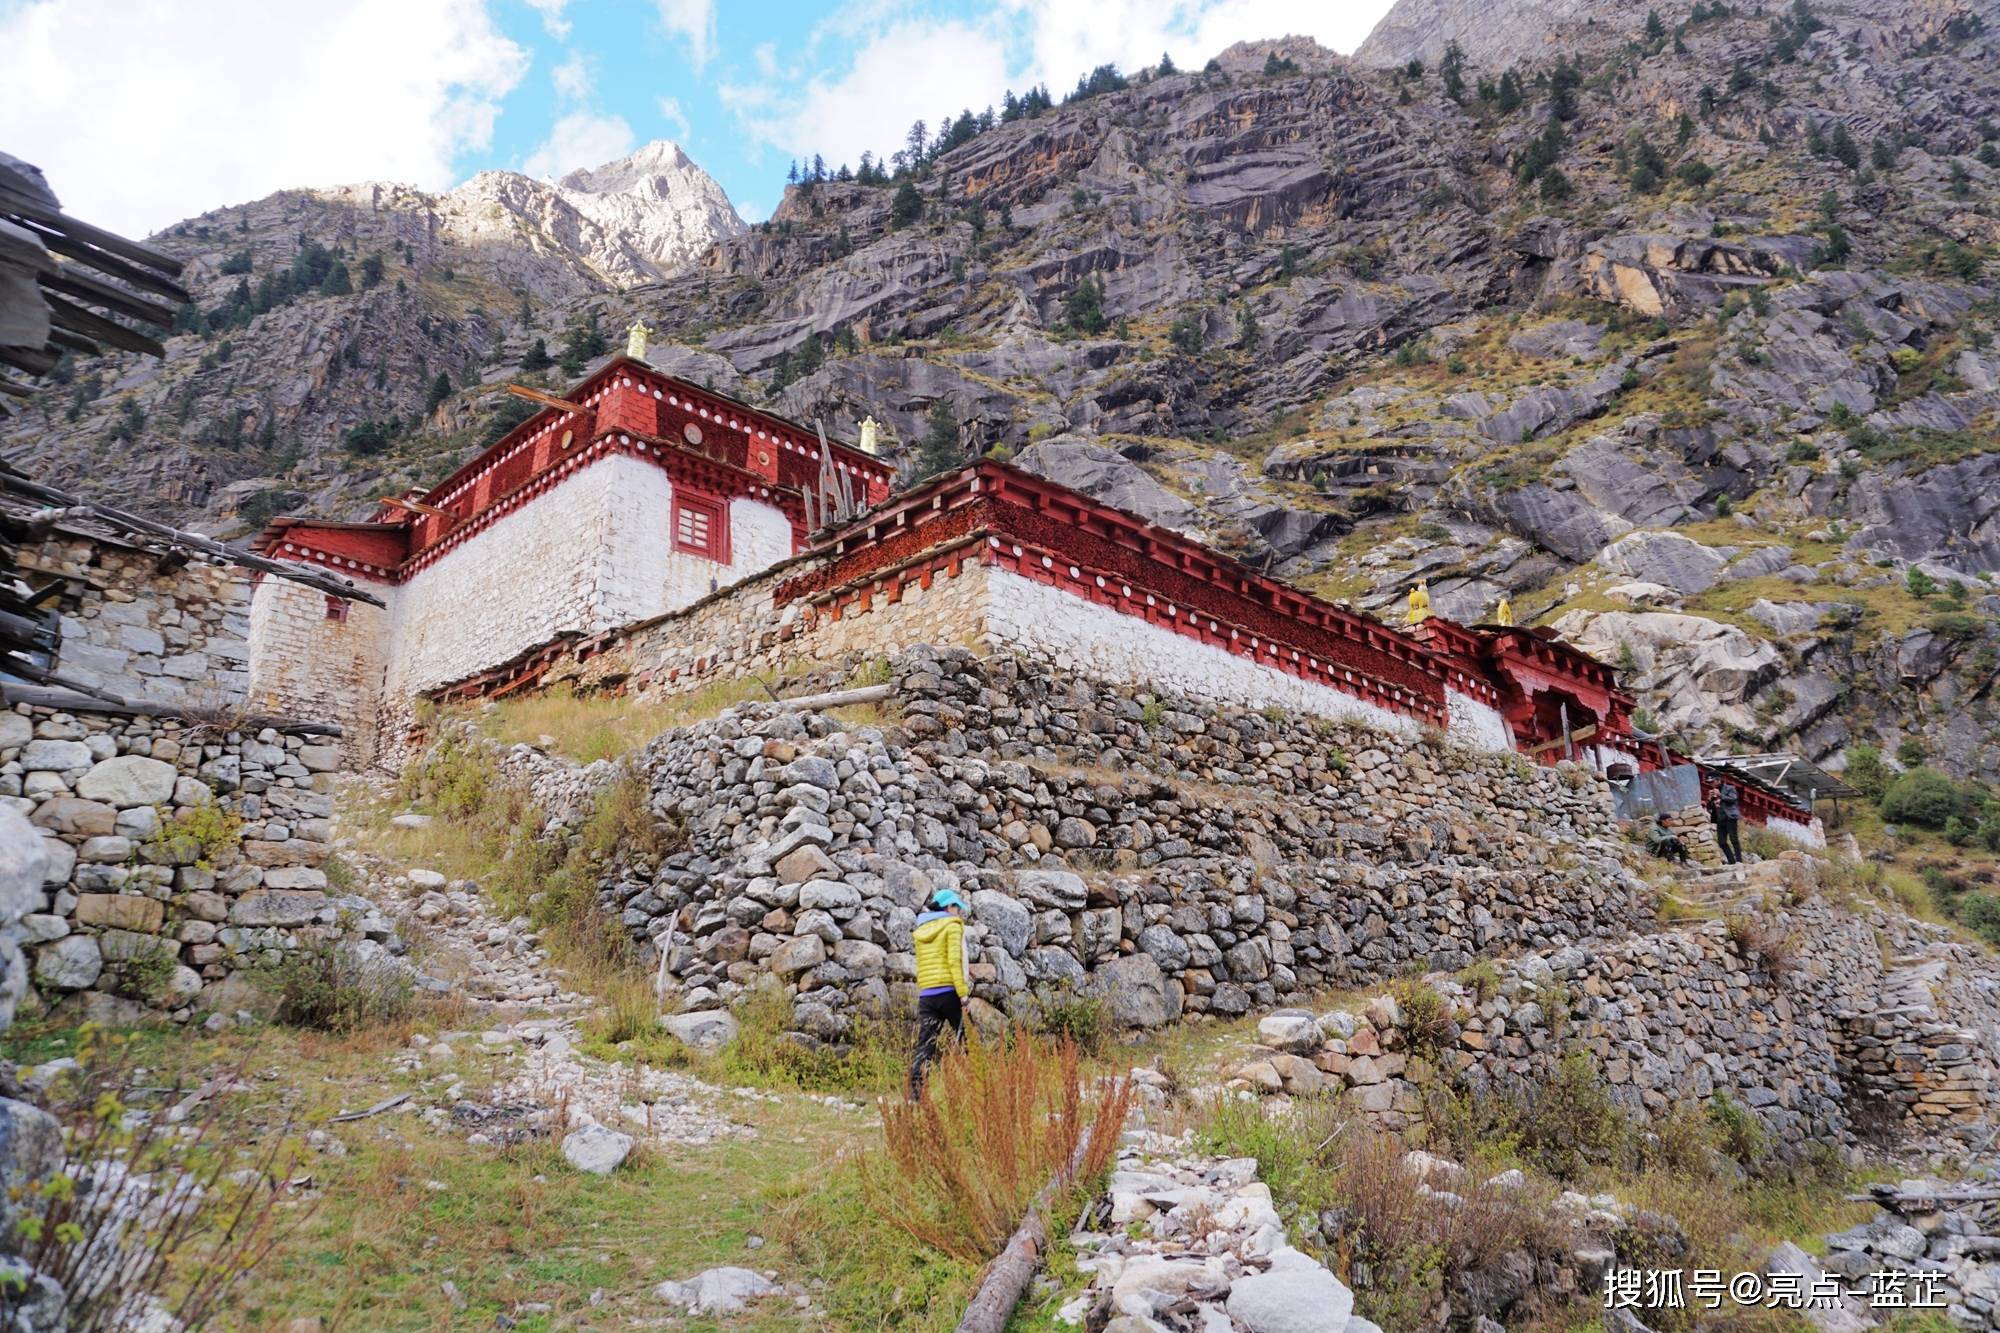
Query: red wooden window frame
[701, 526]
[336, 608]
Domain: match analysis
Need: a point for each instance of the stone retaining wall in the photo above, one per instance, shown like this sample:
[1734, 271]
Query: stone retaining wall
[178, 854]
[173, 636]
[1176, 858]
[1782, 1011]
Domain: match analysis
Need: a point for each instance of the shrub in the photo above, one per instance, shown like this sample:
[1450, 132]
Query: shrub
[996, 1124]
[145, 1212]
[1562, 1122]
[1428, 1024]
[207, 832]
[1070, 1015]
[1741, 1132]
[1927, 798]
[333, 988]
[1765, 939]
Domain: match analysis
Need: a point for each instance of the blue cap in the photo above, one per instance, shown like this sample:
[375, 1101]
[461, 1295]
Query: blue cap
[944, 898]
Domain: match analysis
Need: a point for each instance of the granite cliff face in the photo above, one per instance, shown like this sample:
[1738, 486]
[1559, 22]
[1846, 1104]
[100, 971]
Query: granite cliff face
[1681, 338]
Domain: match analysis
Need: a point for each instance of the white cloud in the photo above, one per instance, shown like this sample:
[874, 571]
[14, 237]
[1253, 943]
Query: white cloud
[694, 22]
[914, 67]
[344, 90]
[676, 118]
[767, 59]
[1065, 39]
[911, 72]
[580, 139]
[572, 78]
[553, 21]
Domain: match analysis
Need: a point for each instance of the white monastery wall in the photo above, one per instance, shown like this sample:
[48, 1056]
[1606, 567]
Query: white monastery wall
[1096, 641]
[1475, 724]
[306, 666]
[759, 536]
[1809, 835]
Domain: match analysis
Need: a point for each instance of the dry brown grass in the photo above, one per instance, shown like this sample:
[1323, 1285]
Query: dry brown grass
[589, 727]
[996, 1124]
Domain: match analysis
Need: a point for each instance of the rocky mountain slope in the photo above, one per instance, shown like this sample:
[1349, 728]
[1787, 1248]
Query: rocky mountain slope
[1679, 334]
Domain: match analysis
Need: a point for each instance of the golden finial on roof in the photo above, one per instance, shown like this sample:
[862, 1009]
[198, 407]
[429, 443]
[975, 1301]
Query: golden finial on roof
[1420, 604]
[868, 428]
[635, 341]
[1504, 613]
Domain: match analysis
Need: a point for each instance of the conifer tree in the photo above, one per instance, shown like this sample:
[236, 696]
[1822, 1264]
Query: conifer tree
[939, 449]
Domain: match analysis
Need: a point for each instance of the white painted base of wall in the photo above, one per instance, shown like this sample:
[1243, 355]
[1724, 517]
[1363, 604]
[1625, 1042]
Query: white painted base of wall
[1811, 835]
[1097, 641]
[1477, 725]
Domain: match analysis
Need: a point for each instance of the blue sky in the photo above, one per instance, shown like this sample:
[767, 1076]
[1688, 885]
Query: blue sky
[146, 111]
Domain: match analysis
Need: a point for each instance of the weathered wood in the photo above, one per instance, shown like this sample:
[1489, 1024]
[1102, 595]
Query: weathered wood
[74, 700]
[1008, 1277]
[819, 703]
[70, 280]
[88, 323]
[994, 1302]
[234, 555]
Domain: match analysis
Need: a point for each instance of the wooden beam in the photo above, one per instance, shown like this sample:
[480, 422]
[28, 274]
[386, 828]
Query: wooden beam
[70, 280]
[146, 278]
[77, 319]
[415, 506]
[545, 399]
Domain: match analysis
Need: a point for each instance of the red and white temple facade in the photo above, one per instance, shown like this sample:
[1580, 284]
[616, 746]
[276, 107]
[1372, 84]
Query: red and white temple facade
[651, 535]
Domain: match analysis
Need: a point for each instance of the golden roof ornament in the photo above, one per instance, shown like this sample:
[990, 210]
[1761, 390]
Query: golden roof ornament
[1420, 604]
[635, 340]
[1504, 613]
[868, 428]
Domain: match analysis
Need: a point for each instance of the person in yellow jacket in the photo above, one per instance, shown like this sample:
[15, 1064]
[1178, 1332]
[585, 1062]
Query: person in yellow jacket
[942, 983]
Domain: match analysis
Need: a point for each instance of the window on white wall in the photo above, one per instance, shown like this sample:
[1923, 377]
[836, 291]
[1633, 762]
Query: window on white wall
[701, 526]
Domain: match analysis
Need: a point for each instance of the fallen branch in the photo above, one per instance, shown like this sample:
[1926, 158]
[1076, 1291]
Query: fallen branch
[814, 703]
[386, 1104]
[1007, 1280]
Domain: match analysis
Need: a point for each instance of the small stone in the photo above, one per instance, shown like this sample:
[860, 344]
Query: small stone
[596, 1149]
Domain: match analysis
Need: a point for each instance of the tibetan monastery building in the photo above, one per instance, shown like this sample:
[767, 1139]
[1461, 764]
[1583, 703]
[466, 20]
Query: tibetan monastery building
[645, 534]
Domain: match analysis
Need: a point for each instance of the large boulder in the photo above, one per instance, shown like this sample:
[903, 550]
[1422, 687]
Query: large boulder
[1137, 992]
[70, 963]
[717, 1291]
[129, 779]
[596, 1150]
[1006, 917]
[1667, 558]
[30, 1152]
[1702, 671]
[1296, 1295]
[704, 1030]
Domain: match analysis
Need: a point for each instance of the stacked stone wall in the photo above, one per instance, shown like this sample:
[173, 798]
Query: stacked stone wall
[1175, 857]
[1781, 1009]
[178, 854]
[176, 636]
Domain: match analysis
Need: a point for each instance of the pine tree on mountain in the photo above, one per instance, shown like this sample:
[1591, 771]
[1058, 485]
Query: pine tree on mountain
[907, 207]
[1167, 65]
[371, 272]
[537, 356]
[336, 282]
[939, 450]
[440, 390]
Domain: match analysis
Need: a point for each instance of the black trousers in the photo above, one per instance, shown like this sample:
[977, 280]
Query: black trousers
[935, 1013]
[1728, 841]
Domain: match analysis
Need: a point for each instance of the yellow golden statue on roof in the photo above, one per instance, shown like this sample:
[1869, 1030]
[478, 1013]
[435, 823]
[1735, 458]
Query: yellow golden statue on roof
[1420, 604]
[1504, 613]
[635, 341]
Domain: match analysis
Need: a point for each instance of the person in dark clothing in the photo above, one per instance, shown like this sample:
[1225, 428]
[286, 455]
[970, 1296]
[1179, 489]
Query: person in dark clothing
[1725, 811]
[942, 981]
[1664, 844]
